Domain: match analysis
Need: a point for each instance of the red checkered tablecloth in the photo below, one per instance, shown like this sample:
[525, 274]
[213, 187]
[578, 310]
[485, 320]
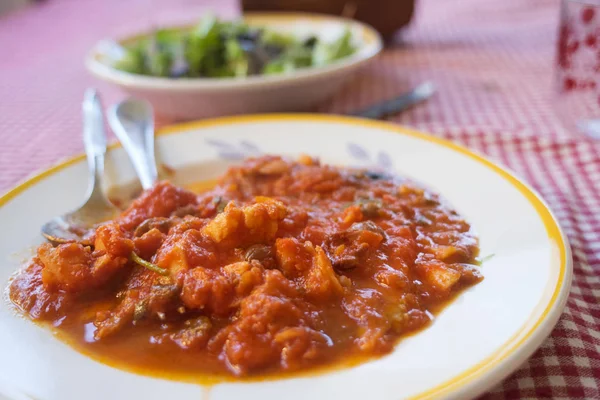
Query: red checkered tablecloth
[492, 62]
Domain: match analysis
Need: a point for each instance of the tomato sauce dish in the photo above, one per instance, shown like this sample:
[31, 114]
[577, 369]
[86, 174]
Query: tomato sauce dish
[283, 255]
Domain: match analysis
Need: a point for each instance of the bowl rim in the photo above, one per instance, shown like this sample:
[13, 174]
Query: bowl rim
[365, 52]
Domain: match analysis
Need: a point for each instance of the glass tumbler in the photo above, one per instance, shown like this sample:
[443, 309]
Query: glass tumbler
[578, 66]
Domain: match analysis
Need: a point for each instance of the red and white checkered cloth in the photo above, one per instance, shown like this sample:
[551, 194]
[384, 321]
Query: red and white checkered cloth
[492, 62]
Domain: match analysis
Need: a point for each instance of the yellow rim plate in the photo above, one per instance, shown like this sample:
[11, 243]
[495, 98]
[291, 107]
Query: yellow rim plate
[503, 359]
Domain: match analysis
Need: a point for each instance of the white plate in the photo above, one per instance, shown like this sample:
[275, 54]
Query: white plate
[475, 342]
[189, 98]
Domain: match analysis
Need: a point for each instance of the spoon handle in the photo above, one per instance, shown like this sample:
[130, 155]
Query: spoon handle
[398, 104]
[94, 140]
[134, 127]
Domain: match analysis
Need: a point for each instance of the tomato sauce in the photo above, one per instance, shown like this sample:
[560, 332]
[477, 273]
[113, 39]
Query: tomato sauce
[283, 267]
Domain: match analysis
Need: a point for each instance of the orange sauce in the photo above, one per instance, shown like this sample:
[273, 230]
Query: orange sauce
[280, 269]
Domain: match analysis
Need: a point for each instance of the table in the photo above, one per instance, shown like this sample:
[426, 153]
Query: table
[492, 62]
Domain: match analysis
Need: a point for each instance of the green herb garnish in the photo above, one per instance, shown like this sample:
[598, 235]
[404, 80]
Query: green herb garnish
[481, 260]
[147, 264]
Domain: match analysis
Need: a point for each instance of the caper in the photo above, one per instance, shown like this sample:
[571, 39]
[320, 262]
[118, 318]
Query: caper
[160, 223]
[370, 209]
[258, 252]
[367, 226]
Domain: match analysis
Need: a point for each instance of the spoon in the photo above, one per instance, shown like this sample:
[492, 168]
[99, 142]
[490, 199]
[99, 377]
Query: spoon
[132, 122]
[78, 225]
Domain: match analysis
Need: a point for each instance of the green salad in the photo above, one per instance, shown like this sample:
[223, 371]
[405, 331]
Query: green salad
[216, 48]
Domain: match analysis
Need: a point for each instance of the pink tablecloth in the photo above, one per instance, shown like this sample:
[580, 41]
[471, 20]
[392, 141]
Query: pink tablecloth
[492, 62]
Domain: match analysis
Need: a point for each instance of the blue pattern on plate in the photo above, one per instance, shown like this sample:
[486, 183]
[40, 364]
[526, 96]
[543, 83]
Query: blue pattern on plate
[219, 144]
[250, 147]
[234, 151]
[384, 160]
[381, 160]
[245, 148]
[357, 151]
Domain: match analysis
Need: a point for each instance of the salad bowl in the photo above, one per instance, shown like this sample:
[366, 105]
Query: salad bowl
[300, 89]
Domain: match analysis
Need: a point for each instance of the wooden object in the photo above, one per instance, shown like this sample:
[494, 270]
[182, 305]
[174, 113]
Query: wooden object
[387, 16]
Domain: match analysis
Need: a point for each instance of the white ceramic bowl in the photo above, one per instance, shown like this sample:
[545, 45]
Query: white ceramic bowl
[192, 98]
[486, 333]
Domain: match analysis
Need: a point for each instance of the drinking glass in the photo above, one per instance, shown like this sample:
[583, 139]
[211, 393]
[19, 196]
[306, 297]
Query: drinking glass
[578, 66]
